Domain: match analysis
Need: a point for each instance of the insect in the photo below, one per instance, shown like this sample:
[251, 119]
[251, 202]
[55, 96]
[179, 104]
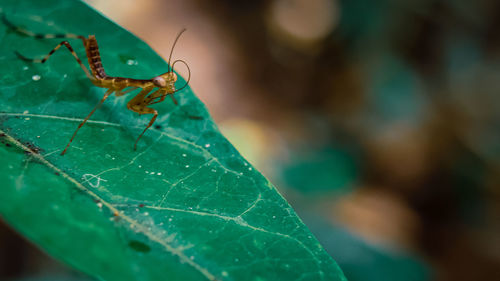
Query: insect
[163, 85]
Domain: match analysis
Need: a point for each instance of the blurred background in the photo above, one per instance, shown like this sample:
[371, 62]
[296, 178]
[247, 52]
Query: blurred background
[377, 120]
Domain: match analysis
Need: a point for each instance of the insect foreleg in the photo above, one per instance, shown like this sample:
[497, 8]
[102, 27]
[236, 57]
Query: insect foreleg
[162, 97]
[153, 98]
[137, 102]
[146, 110]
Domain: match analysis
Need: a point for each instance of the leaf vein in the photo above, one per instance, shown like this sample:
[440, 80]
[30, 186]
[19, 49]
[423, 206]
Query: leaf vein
[136, 225]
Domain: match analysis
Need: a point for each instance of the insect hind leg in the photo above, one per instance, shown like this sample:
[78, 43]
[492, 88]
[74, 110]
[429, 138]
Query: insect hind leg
[63, 43]
[30, 33]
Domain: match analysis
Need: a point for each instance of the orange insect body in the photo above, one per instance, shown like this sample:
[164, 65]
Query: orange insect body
[164, 83]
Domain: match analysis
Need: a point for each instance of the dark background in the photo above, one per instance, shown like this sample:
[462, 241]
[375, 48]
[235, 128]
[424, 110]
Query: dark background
[378, 121]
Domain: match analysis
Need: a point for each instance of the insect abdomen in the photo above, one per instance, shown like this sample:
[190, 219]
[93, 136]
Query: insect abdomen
[95, 58]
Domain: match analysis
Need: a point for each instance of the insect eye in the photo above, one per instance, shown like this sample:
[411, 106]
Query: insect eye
[160, 82]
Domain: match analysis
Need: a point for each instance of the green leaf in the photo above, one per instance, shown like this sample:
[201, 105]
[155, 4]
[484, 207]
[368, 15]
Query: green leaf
[184, 206]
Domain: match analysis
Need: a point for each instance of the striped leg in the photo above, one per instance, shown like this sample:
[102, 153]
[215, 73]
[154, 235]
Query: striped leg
[65, 43]
[38, 35]
[106, 95]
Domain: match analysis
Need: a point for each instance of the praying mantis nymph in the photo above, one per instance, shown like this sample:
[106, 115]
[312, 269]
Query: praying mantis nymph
[164, 83]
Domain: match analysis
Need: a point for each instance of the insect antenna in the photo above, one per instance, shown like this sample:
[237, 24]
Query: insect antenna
[173, 46]
[189, 73]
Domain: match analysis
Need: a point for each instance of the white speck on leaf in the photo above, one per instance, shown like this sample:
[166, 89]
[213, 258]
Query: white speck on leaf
[132, 62]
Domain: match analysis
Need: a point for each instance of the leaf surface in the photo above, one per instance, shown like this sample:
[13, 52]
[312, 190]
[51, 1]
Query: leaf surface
[184, 206]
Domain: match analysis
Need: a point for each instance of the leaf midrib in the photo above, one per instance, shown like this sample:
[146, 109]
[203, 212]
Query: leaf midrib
[113, 210]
